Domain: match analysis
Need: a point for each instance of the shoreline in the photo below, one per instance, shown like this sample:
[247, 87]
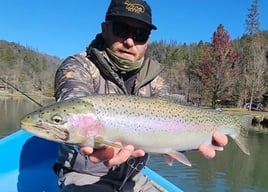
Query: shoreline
[18, 94]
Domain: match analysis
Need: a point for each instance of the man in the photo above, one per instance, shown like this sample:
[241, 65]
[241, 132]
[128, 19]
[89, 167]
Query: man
[114, 63]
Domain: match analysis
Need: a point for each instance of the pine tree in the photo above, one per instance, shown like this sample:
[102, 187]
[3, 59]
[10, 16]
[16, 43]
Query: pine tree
[252, 21]
[252, 77]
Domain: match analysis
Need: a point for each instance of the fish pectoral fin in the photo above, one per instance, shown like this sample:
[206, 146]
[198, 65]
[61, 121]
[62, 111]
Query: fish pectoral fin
[101, 141]
[170, 156]
[168, 159]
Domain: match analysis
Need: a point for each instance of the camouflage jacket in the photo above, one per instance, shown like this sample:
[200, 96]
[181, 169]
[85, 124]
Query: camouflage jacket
[78, 76]
[82, 75]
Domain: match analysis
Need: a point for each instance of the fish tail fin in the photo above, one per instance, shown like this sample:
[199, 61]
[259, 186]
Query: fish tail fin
[241, 139]
[246, 122]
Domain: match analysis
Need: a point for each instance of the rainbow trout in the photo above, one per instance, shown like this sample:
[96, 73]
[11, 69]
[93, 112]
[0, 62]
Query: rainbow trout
[155, 124]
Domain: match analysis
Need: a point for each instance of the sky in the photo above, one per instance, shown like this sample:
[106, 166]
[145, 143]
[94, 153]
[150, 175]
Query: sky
[65, 27]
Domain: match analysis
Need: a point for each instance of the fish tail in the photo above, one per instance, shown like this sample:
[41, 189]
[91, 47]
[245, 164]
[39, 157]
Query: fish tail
[246, 122]
[241, 139]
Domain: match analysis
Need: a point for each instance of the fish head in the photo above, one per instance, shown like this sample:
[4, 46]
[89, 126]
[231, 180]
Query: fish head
[70, 121]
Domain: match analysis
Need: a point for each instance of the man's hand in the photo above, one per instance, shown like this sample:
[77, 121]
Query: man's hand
[111, 156]
[219, 140]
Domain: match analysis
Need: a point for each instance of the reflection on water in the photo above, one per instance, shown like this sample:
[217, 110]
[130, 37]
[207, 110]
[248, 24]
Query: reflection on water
[231, 170]
[12, 110]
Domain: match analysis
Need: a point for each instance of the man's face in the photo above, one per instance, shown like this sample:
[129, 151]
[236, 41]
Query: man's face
[126, 37]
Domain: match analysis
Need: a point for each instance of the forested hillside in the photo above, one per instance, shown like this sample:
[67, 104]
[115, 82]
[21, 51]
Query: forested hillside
[223, 71]
[28, 70]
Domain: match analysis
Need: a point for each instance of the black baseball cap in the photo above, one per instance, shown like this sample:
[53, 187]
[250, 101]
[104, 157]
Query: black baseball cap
[135, 9]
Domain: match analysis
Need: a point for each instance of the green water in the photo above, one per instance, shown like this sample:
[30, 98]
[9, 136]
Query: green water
[231, 170]
[12, 110]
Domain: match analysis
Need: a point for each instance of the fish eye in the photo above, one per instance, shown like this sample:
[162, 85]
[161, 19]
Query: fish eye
[57, 119]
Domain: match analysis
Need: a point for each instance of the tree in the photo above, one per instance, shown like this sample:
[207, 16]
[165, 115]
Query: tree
[193, 57]
[28, 70]
[252, 71]
[218, 66]
[252, 21]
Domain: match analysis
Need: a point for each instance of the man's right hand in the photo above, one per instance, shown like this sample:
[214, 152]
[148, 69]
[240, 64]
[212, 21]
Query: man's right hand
[111, 156]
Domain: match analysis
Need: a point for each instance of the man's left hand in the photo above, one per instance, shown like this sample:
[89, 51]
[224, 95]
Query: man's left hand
[218, 140]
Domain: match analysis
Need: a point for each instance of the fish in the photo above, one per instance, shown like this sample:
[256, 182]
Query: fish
[158, 125]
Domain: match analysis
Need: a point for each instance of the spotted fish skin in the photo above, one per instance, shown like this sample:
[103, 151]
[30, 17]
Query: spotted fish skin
[155, 124]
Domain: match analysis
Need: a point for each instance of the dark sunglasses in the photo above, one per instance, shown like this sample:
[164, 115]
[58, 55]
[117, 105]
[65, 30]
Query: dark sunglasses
[123, 30]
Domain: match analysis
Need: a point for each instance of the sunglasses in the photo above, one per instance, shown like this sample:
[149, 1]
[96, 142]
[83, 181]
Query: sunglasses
[123, 30]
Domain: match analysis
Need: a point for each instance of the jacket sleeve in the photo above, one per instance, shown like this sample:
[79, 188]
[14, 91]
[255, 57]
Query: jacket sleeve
[75, 77]
[159, 87]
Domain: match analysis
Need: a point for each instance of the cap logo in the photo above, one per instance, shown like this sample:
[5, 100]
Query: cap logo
[136, 8]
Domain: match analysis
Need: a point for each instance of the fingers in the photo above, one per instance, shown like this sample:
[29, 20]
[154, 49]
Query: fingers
[219, 140]
[102, 154]
[138, 153]
[111, 156]
[121, 156]
[86, 150]
[207, 151]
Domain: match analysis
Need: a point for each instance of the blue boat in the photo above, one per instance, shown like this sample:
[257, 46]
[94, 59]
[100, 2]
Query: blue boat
[26, 165]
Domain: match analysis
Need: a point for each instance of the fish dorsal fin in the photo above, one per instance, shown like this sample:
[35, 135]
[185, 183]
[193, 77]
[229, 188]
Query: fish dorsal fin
[175, 98]
[178, 156]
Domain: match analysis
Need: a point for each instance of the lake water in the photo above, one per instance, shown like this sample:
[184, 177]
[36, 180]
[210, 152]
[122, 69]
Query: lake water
[231, 170]
[12, 109]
